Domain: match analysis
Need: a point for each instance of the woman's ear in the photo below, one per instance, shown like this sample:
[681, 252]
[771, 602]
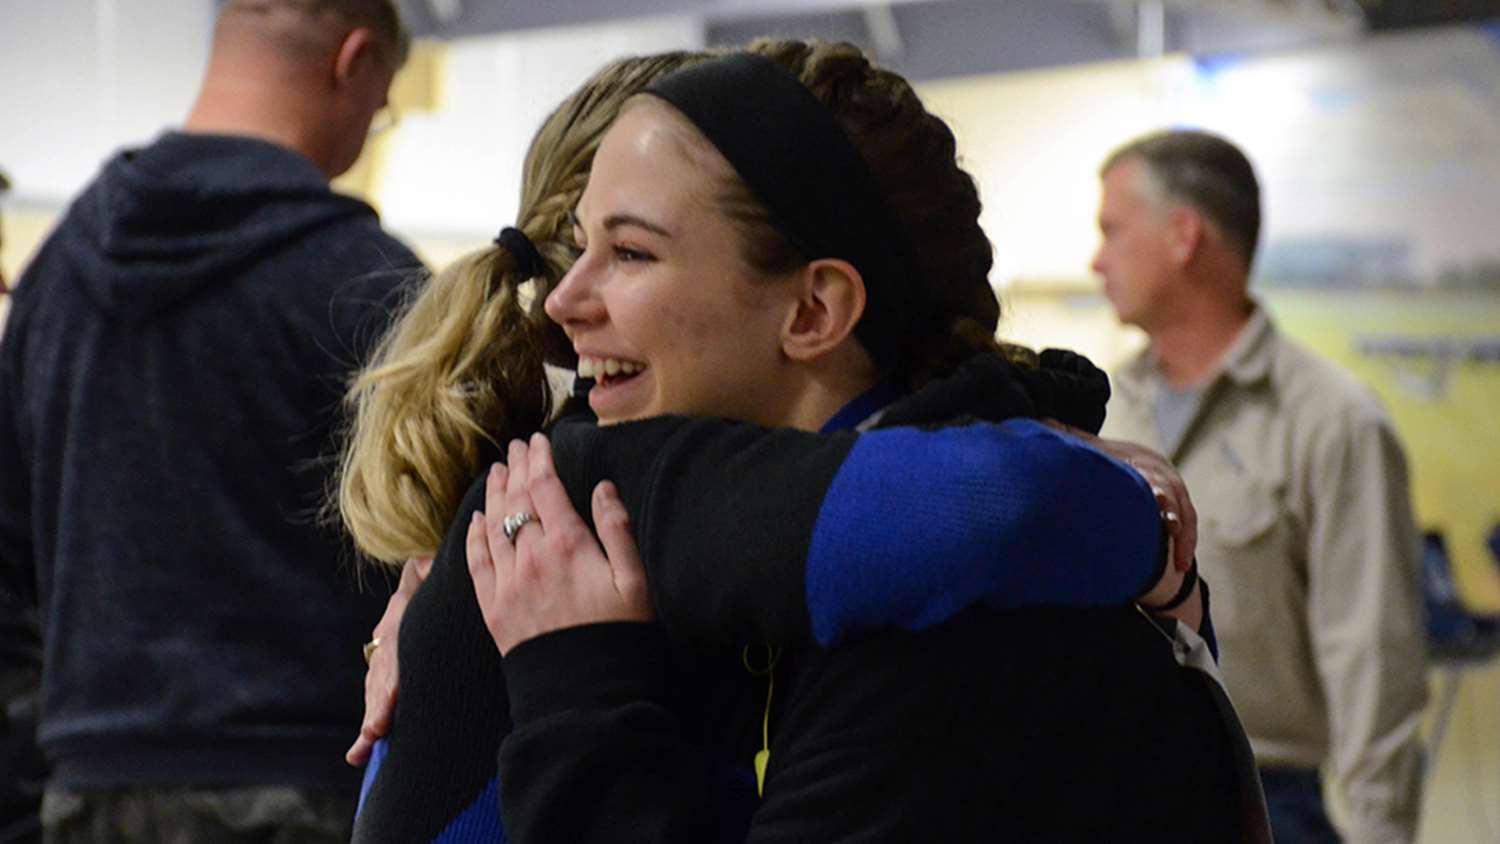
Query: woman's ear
[830, 302]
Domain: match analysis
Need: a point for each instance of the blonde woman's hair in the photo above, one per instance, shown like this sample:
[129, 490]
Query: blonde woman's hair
[460, 371]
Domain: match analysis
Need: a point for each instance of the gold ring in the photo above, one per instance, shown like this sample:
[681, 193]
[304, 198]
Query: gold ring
[369, 648]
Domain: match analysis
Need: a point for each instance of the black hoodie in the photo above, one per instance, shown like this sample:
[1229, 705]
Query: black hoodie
[170, 379]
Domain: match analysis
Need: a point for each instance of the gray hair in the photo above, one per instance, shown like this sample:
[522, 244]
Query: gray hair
[1206, 172]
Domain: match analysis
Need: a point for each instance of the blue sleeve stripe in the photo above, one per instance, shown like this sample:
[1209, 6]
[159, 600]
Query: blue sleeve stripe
[920, 524]
[372, 768]
[479, 823]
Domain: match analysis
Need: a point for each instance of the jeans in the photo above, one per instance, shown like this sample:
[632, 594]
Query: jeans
[1294, 797]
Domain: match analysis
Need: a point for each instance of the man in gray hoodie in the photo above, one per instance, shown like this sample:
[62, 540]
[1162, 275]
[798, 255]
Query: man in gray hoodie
[170, 380]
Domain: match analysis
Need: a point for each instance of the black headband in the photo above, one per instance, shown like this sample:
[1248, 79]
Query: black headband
[792, 154]
[528, 260]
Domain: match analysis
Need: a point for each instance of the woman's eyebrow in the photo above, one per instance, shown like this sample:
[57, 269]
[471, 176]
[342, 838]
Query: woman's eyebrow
[615, 221]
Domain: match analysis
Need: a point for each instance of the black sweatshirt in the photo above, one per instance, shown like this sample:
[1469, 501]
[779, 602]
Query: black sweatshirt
[1034, 724]
[172, 374]
[714, 506]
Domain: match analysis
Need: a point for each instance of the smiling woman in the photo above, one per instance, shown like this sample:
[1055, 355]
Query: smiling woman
[702, 288]
[663, 286]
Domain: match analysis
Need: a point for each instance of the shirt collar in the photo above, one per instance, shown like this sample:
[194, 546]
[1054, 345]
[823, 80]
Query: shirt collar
[1246, 361]
[864, 411]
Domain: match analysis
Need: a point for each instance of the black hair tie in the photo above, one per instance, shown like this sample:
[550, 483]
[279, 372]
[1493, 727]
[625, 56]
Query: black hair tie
[528, 260]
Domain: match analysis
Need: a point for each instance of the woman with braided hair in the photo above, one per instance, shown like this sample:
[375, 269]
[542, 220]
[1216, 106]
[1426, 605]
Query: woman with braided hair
[747, 287]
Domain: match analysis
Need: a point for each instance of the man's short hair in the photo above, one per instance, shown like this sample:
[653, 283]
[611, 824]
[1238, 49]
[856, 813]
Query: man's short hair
[381, 16]
[1205, 171]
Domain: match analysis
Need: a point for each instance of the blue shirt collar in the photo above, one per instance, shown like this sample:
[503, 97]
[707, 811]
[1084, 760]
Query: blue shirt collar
[864, 409]
[861, 413]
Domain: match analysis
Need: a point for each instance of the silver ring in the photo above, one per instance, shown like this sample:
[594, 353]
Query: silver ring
[514, 522]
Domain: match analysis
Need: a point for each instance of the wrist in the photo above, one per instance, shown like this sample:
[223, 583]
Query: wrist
[1185, 591]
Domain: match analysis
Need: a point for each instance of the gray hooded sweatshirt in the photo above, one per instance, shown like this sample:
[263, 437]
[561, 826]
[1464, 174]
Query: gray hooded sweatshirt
[170, 383]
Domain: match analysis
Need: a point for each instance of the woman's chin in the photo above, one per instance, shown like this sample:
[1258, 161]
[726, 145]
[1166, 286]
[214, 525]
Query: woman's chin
[616, 400]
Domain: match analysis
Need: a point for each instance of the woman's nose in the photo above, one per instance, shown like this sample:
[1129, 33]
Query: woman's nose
[568, 303]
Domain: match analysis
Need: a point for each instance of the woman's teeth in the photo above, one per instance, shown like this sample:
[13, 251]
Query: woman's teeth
[605, 367]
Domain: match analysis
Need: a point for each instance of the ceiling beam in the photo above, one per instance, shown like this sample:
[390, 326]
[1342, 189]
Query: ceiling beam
[1330, 16]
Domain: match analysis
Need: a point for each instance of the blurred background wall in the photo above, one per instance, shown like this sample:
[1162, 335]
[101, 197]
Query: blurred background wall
[1375, 127]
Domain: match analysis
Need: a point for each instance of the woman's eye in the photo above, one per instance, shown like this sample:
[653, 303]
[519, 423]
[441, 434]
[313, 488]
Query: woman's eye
[626, 254]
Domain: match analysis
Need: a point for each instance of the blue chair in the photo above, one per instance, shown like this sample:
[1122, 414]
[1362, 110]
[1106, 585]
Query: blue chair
[1458, 639]
[1494, 543]
[1454, 633]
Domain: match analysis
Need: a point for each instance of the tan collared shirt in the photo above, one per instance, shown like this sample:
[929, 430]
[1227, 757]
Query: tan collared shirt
[1306, 534]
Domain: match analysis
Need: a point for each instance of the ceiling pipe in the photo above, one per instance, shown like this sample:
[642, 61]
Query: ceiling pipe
[1151, 29]
[1333, 16]
[446, 12]
[885, 32]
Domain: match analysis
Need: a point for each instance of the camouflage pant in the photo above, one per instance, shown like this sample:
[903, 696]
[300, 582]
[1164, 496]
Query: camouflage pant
[262, 815]
[21, 768]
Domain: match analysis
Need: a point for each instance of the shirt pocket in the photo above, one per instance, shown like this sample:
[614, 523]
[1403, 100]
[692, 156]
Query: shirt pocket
[1245, 512]
[1243, 553]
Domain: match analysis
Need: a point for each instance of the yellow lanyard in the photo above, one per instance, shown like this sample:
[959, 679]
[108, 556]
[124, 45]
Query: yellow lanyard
[763, 757]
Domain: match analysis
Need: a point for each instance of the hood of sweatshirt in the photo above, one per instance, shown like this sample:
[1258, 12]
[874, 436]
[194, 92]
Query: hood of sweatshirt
[190, 210]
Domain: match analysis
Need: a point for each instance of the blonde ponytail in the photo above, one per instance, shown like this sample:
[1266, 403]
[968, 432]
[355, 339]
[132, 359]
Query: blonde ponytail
[459, 374]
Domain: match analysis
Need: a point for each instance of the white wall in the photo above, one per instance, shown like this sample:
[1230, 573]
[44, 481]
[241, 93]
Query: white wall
[1034, 142]
[83, 77]
[86, 77]
[456, 172]
[1395, 135]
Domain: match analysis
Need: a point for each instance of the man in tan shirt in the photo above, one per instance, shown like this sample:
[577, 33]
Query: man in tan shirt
[1306, 527]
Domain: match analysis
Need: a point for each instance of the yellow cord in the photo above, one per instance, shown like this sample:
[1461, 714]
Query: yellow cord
[763, 757]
